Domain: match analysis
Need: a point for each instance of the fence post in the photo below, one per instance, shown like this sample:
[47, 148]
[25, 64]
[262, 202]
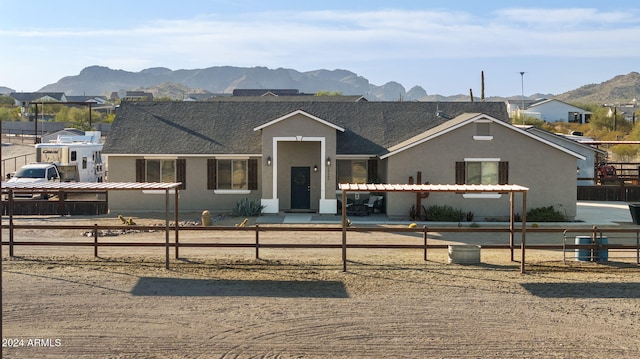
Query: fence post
[257, 242]
[11, 209]
[424, 228]
[637, 247]
[95, 240]
[594, 236]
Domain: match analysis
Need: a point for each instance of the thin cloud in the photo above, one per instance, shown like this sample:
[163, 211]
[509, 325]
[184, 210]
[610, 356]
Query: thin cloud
[568, 18]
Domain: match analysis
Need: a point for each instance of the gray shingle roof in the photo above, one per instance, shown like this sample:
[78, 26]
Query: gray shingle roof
[226, 127]
[32, 96]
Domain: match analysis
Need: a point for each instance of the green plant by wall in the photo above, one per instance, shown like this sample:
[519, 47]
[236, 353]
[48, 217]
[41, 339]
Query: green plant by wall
[247, 208]
[444, 214]
[545, 214]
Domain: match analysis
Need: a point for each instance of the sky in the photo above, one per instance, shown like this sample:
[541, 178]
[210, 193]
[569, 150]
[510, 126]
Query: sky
[523, 47]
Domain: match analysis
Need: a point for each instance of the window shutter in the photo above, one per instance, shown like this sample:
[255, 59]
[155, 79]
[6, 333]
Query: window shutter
[372, 171]
[211, 173]
[181, 172]
[460, 174]
[253, 174]
[503, 172]
[140, 170]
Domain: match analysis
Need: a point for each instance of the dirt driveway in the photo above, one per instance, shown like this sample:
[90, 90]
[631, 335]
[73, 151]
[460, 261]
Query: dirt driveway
[223, 303]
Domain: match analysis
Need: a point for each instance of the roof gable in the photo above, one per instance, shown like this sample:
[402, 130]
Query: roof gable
[464, 120]
[552, 100]
[299, 112]
[42, 96]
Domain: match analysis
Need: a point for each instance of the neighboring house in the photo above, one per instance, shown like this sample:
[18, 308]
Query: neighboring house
[21, 128]
[282, 98]
[516, 106]
[200, 96]
[67, 132]
[291, 155]
[553, 110]
[137, 96]
[628, 111]
[98, 100]
[269, 92]
[23, 99]
[586, 167]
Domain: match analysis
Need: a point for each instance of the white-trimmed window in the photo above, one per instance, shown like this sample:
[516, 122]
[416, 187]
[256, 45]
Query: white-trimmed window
[485, 171]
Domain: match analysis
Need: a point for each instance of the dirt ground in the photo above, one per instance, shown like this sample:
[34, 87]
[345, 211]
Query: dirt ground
[61, 302]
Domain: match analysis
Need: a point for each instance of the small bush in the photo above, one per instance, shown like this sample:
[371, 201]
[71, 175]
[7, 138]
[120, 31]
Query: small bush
[545, 214]
[444, 214]
[247, 208]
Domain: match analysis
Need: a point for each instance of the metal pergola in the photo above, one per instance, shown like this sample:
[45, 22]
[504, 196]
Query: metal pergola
[426, 188]
[9, 188]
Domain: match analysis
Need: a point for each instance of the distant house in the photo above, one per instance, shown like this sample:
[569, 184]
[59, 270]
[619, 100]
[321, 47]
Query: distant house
[66, 132]
[552, 110]
[98, 100]
[269, 92]
[138, 96]
[23, 99]
[291, 155]
[200, 96]
[628, 111]
[516, 106]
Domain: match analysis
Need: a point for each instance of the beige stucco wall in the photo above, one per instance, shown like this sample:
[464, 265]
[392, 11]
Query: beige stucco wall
[195, 198]
[549, 173]
[299, 143]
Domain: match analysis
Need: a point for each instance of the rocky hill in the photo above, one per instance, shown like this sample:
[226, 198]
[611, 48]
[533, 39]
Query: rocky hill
[620, 89]
[166, 83]
[224, 79]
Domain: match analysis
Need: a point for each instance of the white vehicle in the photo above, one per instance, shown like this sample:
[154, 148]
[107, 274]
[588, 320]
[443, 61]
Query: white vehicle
[78, 158]
[33, 173]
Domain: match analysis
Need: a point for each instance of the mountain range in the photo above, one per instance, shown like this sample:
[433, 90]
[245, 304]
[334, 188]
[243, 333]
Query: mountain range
[177, 84]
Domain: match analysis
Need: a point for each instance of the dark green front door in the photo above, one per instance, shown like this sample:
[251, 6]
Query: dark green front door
[300, 187]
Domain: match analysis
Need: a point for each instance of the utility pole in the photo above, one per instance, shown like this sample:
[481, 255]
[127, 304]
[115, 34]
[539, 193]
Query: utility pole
[522, 86]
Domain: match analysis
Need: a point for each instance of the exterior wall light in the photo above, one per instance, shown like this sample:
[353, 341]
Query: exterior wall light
[315, 168]
[328, 161]
[269, 161]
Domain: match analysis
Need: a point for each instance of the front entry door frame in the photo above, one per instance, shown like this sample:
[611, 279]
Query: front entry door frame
[323, 154]
[300, 188]
[272, 204]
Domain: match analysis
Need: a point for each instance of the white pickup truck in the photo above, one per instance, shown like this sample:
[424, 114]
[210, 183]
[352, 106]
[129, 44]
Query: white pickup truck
[35, 172]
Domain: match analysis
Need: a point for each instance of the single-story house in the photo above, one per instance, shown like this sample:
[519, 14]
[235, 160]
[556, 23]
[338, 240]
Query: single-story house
[23, 99]
[291, 155]
[552, 110]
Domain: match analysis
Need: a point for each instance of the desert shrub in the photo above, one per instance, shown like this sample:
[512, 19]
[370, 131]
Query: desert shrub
[444, 213]
[545, 214]
[247, 208]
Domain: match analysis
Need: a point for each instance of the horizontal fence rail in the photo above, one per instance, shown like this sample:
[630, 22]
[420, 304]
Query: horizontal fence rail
[257, 245]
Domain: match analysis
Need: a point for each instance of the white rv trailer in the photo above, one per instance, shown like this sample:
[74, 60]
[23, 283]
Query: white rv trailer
[78, 158]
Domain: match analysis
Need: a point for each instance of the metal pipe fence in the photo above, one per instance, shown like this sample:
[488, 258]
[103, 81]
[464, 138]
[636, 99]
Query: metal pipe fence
[629, 249]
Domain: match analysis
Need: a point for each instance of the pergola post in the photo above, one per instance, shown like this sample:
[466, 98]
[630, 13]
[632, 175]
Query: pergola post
[524, 228]
[344, 230]
[177, 217]
[511, 222]
[166, 227]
